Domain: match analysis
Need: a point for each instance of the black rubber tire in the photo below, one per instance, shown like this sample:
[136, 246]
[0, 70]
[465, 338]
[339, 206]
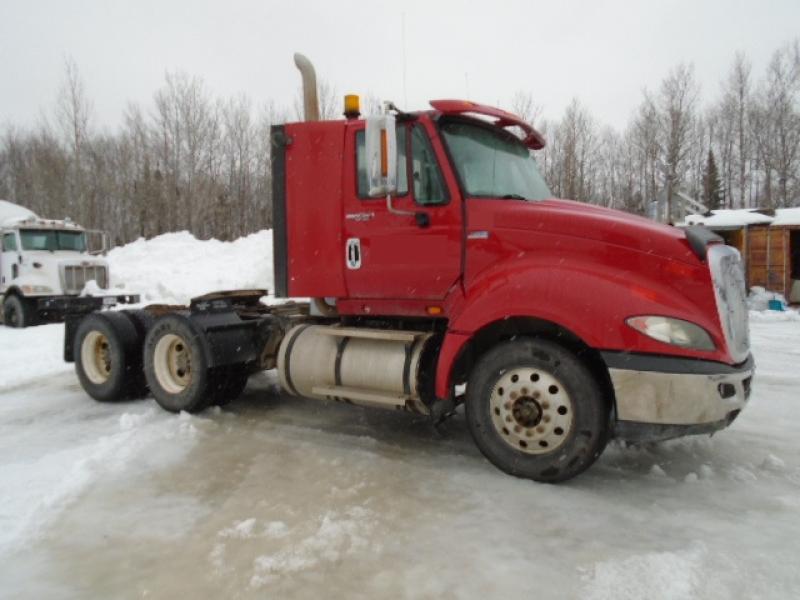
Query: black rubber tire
[18, 312]
[586, 439]
[195, 396]
[228, 383]
[125, 380]
[142, 321]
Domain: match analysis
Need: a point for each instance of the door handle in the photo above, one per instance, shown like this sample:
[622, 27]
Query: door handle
[353, 254]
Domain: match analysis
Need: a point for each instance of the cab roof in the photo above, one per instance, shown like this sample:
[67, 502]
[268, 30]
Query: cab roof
[533, 139]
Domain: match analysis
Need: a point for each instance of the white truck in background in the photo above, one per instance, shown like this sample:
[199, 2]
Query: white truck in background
[45, 265]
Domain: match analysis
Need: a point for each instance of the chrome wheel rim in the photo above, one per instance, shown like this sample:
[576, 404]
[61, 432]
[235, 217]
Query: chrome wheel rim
[531, 410]
[172, 363]
[96, 357]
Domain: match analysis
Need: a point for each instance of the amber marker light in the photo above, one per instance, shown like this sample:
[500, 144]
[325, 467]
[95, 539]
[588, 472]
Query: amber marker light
[384, 154]
[434, 310]
[352, 106]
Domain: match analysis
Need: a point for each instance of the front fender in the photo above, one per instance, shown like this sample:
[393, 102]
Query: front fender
[590, 300]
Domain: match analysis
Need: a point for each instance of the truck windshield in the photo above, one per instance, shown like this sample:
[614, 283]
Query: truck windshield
[492, 163]
[52, 239]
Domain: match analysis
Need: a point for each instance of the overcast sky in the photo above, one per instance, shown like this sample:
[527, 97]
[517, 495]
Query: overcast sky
[604, 52]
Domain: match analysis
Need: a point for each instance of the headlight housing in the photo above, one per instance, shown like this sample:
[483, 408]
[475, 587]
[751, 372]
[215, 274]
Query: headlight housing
[672, 331]
[37, 289]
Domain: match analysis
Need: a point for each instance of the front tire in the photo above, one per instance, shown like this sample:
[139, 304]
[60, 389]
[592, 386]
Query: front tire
[535, 410]
[18, 312]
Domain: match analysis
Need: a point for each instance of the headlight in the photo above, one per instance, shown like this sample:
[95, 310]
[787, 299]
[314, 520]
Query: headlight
[37, 289]
[673, 331]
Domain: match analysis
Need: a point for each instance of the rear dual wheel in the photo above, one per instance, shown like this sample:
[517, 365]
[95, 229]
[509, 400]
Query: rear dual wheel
[177, 371]
[536, 411]
[108, 358]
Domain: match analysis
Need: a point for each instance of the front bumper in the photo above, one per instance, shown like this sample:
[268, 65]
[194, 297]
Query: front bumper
[660, 397]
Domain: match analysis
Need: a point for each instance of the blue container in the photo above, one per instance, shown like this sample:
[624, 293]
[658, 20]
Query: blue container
[775, 305]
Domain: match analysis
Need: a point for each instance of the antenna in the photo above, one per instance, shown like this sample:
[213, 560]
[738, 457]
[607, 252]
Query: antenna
[403, 35]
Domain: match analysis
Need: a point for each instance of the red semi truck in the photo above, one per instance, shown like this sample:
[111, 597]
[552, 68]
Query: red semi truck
[442, 271]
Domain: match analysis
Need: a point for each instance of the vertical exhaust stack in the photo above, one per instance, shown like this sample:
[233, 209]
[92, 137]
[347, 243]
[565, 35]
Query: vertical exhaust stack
[311, 113]
[310, 100]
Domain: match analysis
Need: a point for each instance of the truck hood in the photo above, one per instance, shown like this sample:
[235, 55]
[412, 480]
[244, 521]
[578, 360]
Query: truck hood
[577, 219]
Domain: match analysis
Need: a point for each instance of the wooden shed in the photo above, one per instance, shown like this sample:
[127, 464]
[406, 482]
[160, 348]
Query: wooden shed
[769, 241]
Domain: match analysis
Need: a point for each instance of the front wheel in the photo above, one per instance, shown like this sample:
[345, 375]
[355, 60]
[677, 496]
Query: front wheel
[18, 312]
[535, 410]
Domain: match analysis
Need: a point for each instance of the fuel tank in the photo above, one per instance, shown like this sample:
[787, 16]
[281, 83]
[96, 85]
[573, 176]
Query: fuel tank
[372, 367]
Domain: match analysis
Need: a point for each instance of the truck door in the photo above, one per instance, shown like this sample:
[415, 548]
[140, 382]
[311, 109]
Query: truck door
[401, 256]
[8, 260]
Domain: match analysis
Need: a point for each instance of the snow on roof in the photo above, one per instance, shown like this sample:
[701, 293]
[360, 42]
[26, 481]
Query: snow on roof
[729, 218]
[787, 216]
[11, 213]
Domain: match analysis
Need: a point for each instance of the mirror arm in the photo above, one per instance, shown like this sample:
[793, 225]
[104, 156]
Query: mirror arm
[397, 211]
[422, 218]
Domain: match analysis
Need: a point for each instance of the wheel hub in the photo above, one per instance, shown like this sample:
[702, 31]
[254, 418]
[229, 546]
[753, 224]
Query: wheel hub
[172, 362]
[531, 410]
[96, 357]
[526, 411]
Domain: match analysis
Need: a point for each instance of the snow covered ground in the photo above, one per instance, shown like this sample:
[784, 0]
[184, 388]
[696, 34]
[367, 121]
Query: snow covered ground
[279, 497]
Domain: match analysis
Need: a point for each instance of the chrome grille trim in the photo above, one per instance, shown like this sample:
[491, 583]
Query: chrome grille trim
[74, 277]
[727, 275]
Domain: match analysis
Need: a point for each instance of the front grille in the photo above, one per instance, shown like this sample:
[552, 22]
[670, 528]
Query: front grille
[727, 275]
[74, 277]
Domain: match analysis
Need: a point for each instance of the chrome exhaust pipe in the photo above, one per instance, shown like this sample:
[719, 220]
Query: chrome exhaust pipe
[310, 100]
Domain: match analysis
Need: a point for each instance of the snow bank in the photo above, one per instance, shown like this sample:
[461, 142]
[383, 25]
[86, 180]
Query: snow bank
[758, 302]
[775, 316]
[759, 298]
[174, 267]
[30, 355]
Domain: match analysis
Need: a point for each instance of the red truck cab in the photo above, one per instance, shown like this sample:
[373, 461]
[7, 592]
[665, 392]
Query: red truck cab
[656, 313]
[443, 272]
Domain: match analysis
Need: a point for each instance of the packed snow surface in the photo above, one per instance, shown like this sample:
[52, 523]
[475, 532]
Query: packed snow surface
[281, 497]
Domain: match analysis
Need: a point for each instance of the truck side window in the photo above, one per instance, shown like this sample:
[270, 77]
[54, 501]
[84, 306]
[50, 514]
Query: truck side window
[361, 164]
[9, 242]
[429, 188]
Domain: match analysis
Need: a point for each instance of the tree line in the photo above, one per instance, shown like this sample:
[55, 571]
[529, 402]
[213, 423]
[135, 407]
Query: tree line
[741, 150]
[194, 161]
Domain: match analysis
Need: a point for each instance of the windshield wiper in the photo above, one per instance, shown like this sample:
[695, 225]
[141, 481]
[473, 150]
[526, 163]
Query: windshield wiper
[513, 197]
